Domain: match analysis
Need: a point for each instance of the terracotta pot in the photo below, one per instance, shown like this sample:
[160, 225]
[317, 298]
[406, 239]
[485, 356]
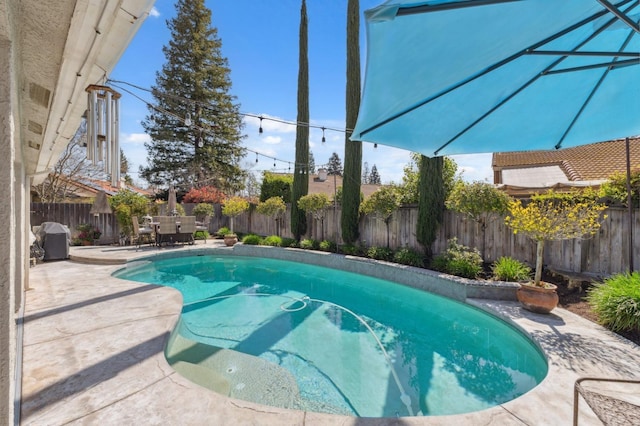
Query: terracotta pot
[230, 239]
[541, 300]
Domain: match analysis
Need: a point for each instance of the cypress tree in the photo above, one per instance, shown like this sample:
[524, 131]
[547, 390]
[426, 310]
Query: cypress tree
[301, 169]
[352, 149]
[194, 86]
[431, 201]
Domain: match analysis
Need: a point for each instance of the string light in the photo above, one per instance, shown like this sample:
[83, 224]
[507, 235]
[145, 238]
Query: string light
[323, 138]
[157, 93]
[187, 120]
[375, 145]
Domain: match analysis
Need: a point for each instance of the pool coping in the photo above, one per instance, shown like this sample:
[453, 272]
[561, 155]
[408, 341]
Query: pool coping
[90, 331]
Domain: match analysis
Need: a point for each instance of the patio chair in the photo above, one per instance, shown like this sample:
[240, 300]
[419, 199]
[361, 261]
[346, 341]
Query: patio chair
[202, 228]
[141, 235]
[186, 229]
[611, 410]
[166, 230]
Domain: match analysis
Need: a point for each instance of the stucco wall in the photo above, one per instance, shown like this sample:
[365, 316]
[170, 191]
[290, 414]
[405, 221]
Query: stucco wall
[7, 242]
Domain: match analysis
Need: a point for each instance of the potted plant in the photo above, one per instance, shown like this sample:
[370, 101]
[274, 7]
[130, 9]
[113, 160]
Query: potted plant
[87, 234]
[550, 217]
[233, 207]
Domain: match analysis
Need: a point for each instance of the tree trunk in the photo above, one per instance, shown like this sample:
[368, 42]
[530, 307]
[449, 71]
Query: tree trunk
[539, 255]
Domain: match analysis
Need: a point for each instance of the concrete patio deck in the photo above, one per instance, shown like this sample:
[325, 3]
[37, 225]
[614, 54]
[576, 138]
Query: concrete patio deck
[93, 354]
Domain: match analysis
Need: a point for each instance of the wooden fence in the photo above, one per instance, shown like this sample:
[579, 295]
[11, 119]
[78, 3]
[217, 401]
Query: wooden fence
[602, 255]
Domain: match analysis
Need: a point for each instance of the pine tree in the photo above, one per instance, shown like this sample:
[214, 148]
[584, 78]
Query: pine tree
[334, 167]
[301, 169]
[374, 177]
[365, 173]
[194, 124]
[431, 201]
[352, 149]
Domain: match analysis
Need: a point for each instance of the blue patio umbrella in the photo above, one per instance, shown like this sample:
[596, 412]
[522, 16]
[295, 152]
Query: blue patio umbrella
[468, 76]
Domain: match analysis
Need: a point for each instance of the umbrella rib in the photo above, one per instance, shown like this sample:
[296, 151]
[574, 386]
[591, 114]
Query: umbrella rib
[528, 83]
[425, 8]
[620, 15]
[593, 92]
[488, 70]
[611, 65]
[583, 53]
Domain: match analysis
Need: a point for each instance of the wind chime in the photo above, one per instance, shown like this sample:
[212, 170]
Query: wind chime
[103, 130]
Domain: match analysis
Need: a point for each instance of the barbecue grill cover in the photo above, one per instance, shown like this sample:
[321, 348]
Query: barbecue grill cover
[54, 238]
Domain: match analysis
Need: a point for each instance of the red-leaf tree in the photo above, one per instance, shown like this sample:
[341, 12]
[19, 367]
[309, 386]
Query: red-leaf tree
[205, 194]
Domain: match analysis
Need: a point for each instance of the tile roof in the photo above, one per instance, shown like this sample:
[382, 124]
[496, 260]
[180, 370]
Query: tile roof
[317, 186]
[587, 162]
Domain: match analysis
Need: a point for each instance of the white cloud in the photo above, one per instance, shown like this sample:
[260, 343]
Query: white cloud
[135, 138]
[271, 140]
[154, 12]
[475, 167]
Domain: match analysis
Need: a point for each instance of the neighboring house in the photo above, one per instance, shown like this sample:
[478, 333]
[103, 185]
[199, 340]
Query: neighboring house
[85, 190]
[89, 188]
[322, 183]
[527, 172]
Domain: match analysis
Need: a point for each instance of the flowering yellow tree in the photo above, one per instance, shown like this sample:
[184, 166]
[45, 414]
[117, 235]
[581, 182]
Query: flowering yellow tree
[553, 216]
[234, 206]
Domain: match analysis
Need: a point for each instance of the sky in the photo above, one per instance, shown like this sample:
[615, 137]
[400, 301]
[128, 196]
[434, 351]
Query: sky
[260, 42]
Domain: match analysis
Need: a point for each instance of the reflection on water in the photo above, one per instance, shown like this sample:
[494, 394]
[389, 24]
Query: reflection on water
[354, 344]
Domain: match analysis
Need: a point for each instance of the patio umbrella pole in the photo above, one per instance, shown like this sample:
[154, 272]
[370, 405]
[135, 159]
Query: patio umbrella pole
[630, 207]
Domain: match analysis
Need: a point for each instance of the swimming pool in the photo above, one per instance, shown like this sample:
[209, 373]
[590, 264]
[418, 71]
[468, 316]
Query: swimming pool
[312, 338]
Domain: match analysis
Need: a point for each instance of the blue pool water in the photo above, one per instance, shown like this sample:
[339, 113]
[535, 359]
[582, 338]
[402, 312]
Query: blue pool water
[313, 338]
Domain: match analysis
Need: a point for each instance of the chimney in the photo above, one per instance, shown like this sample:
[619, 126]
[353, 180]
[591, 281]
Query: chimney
[322, 175]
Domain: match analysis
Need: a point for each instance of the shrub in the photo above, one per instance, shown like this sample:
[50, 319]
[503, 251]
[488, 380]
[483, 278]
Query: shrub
[126, 203]
[308, 244]
[252, 239]
[617, 302]
[327, 245]
[464, 267]
[273, 241]
[380, 253]
[289, 242]
[510, 269]
[223, 231]
[459, 260]
[406, 256]
[351, 249]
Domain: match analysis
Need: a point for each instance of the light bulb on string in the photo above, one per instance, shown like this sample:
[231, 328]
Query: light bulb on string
[323, 138]
[200, 140]
[260, 129]
[375, 145]
[256, 157]
[274, 163]
[187, 120]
